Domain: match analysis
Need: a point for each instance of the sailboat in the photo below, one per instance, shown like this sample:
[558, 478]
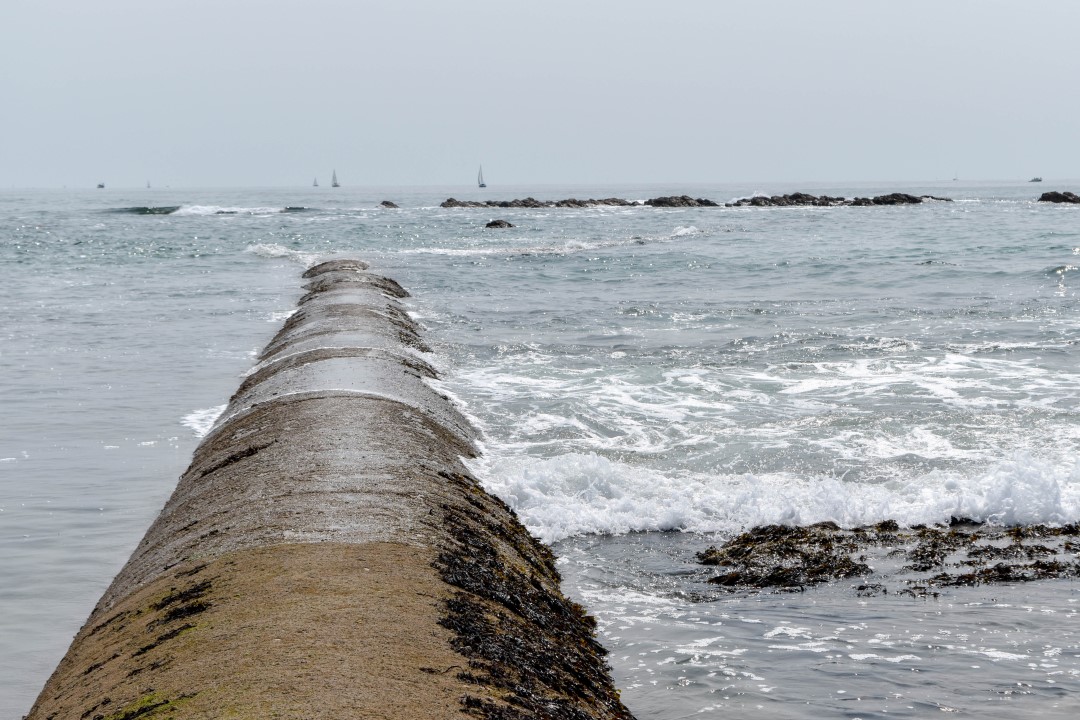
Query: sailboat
[333, 180]
[316, 183]
[480, 177]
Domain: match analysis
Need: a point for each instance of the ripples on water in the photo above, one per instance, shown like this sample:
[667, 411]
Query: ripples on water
[632, 369]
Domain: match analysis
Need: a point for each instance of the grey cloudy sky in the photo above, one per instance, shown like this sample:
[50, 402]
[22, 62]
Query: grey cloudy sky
[418, 92]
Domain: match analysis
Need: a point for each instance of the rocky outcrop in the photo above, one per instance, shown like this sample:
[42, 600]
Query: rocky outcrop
[328, 555]
[805, 199]
[498, 224]
[389, 204]
[680, 201]
[1059, 197]
[890, 199]
[787, 200]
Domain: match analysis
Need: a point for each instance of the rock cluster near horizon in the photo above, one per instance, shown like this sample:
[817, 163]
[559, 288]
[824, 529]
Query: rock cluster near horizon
[805, 199]
[686, 201]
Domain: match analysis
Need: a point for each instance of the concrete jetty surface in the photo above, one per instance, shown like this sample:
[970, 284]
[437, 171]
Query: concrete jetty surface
[328, 555]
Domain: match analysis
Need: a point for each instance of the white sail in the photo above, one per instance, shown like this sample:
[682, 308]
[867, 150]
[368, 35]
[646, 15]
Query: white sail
[480, 177]
[333, 180]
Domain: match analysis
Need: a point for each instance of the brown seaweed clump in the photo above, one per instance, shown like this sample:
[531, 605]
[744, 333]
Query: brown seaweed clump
[789, 558]
[919, 559]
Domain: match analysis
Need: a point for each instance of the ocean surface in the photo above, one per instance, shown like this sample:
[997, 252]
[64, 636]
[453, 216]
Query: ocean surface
[648, 382]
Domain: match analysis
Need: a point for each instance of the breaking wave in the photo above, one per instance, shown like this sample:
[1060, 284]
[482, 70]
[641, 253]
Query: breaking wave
[145, 210]
[274, 251]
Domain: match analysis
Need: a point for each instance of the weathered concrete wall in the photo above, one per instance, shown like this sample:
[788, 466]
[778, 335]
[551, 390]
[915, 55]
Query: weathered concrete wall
[327, 555]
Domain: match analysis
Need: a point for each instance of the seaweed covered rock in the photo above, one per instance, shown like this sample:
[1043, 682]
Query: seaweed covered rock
[784, 557]
[915, 560]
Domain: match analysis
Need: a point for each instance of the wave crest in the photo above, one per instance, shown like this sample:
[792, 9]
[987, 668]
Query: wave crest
[146, 210]
[578, 494]
[275, 251]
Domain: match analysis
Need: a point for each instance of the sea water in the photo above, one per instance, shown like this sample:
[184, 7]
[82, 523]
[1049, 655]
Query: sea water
[647, 381]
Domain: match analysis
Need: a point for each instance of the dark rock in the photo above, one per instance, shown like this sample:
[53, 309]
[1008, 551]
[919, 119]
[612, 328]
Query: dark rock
[680, 201]
[1059, 197]
[794, 199]
[498, 224]
[897, 199]
[800, 199]
[453, 203]
[388, 204]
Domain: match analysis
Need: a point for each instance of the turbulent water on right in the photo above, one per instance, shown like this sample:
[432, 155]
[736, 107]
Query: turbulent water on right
[656, 395]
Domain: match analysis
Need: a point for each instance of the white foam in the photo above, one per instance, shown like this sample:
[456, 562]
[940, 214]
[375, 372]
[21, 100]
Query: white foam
[576, 493]
[274, 251]
[223, 210]
[281, 316]
[565, 247]
[201, 421]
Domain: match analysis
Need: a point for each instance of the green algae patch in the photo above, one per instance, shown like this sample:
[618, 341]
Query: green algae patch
[148, 706]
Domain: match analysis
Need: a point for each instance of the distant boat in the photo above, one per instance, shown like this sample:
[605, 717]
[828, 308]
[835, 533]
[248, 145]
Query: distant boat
[316, 183]
[333, 180]
[480, 177]
[100, 186]
[1035, 179]
[147, 184]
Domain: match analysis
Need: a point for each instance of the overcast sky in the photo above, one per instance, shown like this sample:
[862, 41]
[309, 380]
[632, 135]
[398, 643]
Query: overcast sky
[419, 92]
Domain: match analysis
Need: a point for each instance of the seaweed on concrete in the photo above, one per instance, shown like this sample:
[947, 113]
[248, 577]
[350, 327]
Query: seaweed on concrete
[526, 643]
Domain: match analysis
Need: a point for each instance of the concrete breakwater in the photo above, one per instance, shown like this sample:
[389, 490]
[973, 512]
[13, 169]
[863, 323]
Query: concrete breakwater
[328, 555]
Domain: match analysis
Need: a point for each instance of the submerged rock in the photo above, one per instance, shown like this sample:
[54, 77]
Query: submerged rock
[388, 204]
[784, 557]
[498, 224]
[920, 559]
